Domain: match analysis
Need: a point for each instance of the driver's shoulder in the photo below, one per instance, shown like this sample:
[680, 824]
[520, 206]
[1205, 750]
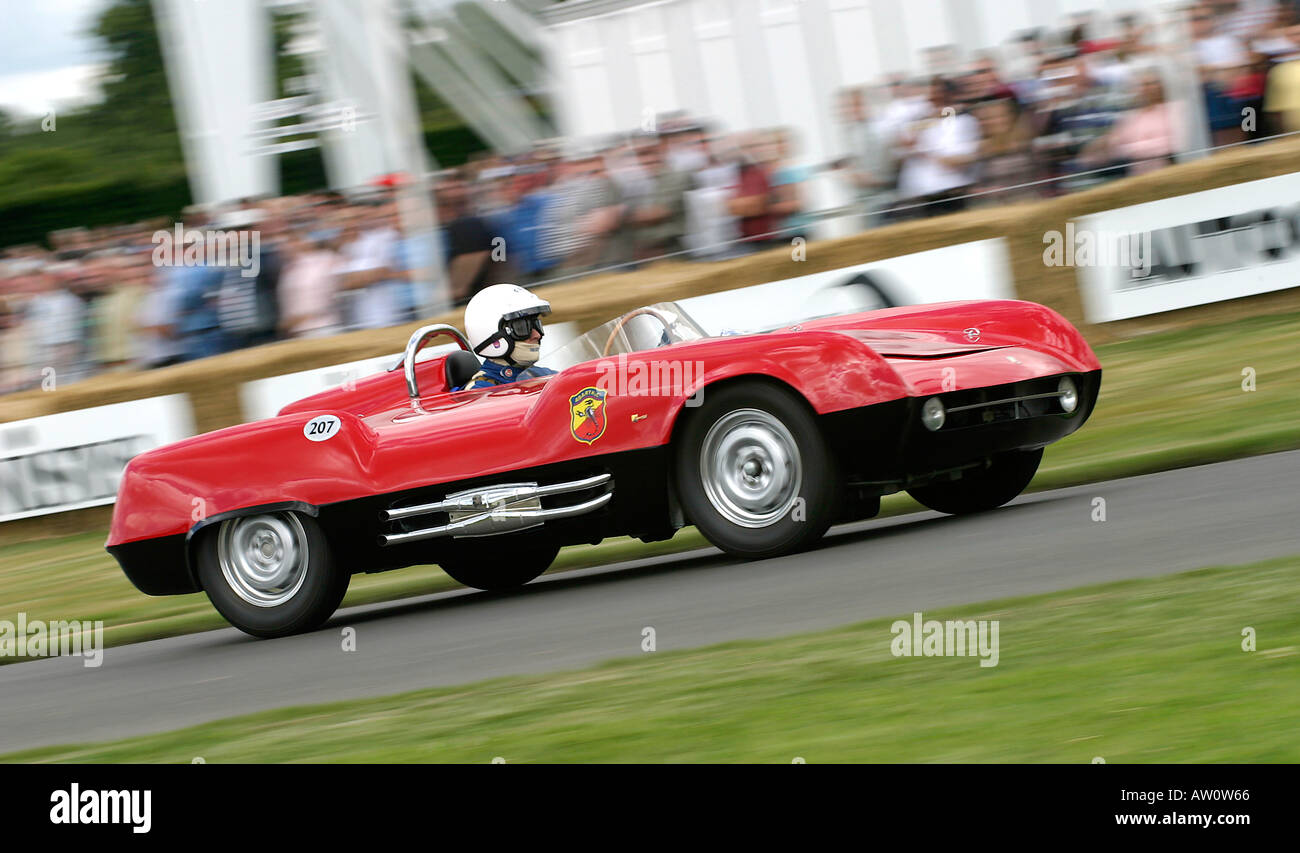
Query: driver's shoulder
[478, 380]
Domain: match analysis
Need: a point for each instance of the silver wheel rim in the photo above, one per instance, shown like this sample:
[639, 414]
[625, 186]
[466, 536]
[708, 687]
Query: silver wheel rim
[750, 467]
[263, 557]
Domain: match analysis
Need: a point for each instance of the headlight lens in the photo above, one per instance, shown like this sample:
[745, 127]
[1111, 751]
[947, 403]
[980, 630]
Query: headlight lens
[1069, 395]
[933, 414]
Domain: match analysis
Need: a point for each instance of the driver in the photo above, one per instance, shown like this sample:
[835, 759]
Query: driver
[504, 325]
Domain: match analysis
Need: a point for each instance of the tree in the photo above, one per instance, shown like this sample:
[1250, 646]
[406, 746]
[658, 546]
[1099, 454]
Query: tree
[8, 130]
[136, 111]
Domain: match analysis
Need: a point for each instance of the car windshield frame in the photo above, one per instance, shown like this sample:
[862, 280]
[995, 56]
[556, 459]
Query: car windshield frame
[638, 334]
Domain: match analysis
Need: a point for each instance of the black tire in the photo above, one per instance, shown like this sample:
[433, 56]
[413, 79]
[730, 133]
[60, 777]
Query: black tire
[981, 489]
[758, 508]
[493, 565]
[305, 605]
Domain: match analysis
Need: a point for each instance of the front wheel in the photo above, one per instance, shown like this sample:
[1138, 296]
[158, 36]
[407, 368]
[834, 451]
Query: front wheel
[271, 574]
[754, 472]
[494, 565]
[979, 489]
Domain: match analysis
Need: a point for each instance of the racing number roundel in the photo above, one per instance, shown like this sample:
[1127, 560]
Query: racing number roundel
[321, 428]
[587, 414]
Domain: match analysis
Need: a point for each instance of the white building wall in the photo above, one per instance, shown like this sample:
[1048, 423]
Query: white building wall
[853, 27]
[796, 97]
[925, 25]
[1011, 17]
[716, 41]
[656, 80]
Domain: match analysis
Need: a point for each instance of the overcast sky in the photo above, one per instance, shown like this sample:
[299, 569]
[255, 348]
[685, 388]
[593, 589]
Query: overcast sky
[46, 58]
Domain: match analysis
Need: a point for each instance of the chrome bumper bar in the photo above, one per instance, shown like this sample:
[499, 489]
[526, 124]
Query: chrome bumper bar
[1005, 400]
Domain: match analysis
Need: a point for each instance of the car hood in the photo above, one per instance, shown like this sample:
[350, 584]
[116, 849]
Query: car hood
[920, 344]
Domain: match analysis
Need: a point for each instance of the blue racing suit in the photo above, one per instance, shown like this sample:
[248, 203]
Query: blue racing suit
[494, 373]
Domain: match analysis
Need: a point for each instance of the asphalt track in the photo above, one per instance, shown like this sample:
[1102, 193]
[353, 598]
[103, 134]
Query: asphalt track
[1234, 512]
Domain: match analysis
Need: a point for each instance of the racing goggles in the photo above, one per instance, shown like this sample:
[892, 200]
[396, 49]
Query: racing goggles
[516, 327]
[521, 328]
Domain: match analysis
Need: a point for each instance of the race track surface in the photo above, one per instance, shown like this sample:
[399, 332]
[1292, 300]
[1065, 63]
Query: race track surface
[1234, 512]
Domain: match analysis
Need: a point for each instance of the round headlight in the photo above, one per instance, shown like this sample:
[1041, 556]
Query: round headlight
[933, 414]
[1069, 394]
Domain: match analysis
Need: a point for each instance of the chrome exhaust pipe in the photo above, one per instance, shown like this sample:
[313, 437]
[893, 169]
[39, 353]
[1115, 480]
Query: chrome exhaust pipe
[494, 510]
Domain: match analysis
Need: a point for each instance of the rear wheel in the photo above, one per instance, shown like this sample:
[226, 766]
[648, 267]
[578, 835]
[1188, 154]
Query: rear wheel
[979, 489]
[498, 564]
[271, 574]
[754, 472]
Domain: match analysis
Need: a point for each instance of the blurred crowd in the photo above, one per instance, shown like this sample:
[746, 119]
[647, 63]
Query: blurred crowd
[1052, 112]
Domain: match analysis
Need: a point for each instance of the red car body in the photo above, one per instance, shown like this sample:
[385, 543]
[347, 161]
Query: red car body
[863, 376]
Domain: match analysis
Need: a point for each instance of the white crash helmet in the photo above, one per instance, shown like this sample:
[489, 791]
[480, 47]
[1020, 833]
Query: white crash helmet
[500, 316]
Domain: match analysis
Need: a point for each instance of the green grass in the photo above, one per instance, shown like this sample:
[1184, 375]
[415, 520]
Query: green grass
[1137, 671]
[1176, 399]
[1167, 401]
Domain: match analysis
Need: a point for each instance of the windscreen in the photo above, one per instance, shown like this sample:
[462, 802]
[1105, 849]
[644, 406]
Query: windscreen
[658, 325]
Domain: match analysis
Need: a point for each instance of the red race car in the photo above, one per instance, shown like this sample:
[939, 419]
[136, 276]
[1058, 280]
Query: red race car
[762, 441]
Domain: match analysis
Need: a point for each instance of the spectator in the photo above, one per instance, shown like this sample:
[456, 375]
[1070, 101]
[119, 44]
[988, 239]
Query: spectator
[1007, 168]
[159, 343]
[467, 241]
[869, 166]
[1272, 39]
[1246, 93]
[659, 218]
[940, 154]
[308, 289]
[712, 232]
[751, 201]
[586, 218]
[1282, 94]
[1072, 113]
[195, 292]
[789, 180]
[13, 359]
[248, 305]
[87, 279]
[1244, 20]
[1146, 138]
[1219, 56]
[632, 181]
[1026, 57]
[417, 264]
[1116, 64]
[984, 83]
[606, 222]
[687, 150]
[54, 318]
[530, 195]
[370, 274]
[909, 103]
[127, 288]
[192, 293]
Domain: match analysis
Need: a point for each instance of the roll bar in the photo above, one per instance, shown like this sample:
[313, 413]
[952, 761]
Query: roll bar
[421, 337]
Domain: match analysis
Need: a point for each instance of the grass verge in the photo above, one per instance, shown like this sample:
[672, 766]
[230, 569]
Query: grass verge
[1137, 671]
